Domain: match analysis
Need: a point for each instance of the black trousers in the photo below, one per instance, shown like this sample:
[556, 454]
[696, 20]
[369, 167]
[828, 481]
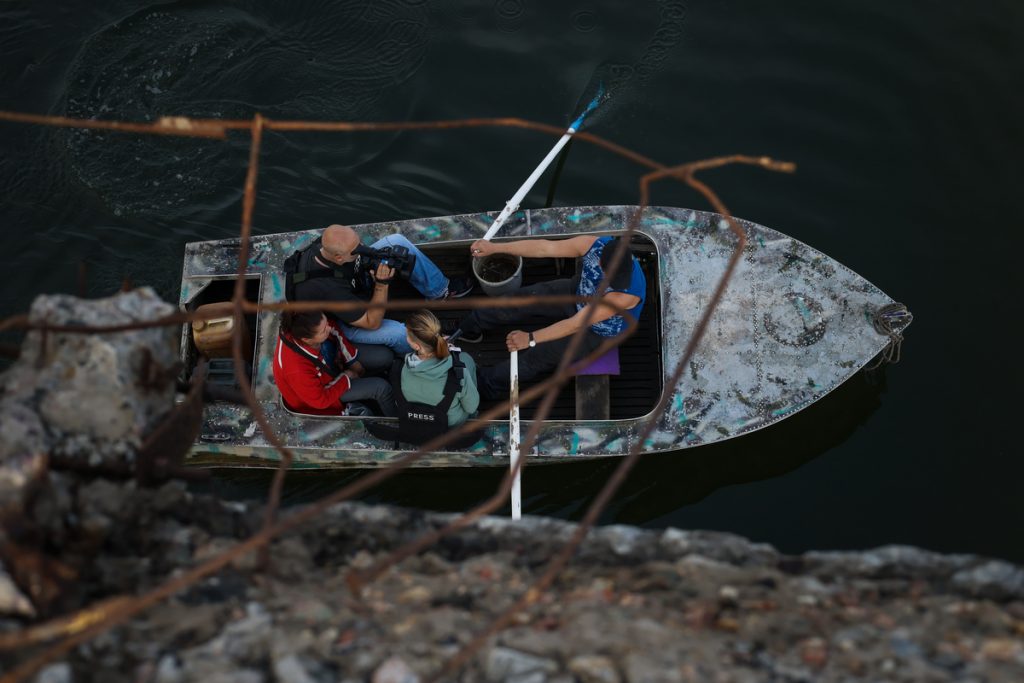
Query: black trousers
[541, 360]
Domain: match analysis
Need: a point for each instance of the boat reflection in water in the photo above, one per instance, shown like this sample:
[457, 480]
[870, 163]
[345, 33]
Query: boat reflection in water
[660, 485]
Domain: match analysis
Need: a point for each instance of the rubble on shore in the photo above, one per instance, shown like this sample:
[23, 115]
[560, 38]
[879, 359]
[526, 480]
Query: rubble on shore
[632, 606]
[77, 526]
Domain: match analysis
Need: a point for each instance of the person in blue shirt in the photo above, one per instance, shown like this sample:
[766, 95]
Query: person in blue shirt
[551, 326]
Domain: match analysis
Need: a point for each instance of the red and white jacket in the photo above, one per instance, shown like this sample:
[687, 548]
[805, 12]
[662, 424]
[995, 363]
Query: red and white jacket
[304, 385]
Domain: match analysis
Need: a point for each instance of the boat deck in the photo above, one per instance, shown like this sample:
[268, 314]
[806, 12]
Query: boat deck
[633, 392]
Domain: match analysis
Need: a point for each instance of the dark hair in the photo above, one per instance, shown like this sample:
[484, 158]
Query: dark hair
[301, 324]
[624, 274]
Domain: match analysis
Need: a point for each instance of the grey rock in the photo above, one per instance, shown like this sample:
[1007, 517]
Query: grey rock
[623, 540]
[247, 639]
[594, 669]
[698, 562]
[168, 670]
[290, 669]
[652, 634]
[244, 641]
[310, 611]
[394, 670]
[903, 645]
[233, 676]
[445, 624]
[55, 673]
[543, 643]
[644, 667]
[795, 674]
[719, 546]
[171, 497]
[681, 606]
[589, 631]
[109, 416]
[208, 663]
[365, 660]
[106, 498]
[948, 660]
[887, 562]
[809, 585]
[503, 664]
[995, 579]
[290, 557]
[213, 547]
[854, 637]
[23, 449]
[12, 601]
[87, 390]
[531, 677]
[177, 543]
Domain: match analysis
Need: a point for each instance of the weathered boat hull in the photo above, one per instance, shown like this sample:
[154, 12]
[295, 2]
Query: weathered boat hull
[793, 325]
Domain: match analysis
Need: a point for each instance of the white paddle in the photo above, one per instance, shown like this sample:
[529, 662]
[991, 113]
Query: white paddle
[510, 208]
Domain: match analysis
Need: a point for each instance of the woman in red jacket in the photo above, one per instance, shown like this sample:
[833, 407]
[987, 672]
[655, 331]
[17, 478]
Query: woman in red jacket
[319, 371]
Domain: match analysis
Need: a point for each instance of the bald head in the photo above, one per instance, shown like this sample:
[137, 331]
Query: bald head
[338, 243]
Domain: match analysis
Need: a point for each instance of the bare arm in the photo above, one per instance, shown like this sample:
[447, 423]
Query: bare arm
[572, 247]
[519, 340]
[372, 319]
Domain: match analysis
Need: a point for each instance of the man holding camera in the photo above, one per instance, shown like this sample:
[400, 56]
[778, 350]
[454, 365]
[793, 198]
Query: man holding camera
[326, 272]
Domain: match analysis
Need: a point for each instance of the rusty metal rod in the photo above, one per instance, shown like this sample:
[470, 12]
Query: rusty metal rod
[534, 593]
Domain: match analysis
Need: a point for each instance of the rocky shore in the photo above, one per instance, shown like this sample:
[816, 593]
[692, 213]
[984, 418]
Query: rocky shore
[87, 513]
[632, 606]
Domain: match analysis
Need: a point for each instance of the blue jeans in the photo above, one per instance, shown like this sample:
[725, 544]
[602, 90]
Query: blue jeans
[428, 281]
[391, 333]
[426, 277]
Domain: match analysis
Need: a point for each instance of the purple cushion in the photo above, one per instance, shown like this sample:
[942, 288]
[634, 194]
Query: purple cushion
[608, 364]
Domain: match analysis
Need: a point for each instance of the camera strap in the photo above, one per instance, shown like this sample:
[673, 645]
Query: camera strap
[293, 274]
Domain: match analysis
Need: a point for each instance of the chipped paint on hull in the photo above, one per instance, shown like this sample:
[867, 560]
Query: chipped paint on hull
[793, 325]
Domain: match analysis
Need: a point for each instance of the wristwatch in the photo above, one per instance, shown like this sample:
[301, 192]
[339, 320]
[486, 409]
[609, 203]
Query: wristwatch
[533, 342]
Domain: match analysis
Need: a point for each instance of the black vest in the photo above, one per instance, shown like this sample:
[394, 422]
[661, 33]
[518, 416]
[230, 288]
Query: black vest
[302, 267]
[418, 423]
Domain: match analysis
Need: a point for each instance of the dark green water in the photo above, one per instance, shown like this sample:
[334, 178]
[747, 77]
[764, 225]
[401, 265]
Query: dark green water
[906, 121]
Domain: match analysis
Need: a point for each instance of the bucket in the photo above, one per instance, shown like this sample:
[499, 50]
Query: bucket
[499, 274]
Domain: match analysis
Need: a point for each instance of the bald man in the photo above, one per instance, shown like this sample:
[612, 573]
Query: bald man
[334, 252]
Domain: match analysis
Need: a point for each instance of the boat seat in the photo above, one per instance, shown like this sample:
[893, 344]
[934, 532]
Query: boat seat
[593, 397]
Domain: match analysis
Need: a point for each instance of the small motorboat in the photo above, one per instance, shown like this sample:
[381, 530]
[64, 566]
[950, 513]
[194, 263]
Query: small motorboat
[792, 326]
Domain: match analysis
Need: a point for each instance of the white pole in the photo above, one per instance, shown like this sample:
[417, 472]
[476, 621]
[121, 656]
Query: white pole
[514, 450]
[513, 204]
[514, 444]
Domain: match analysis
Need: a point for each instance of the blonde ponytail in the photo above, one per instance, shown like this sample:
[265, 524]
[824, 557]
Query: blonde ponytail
[426, 328]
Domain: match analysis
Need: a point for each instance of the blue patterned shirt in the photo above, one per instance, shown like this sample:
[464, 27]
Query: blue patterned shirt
[591, 277]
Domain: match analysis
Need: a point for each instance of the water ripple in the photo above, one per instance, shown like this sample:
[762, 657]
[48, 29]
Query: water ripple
[324, 63]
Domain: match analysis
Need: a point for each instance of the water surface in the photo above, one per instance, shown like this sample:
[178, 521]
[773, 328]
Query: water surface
[905, 121]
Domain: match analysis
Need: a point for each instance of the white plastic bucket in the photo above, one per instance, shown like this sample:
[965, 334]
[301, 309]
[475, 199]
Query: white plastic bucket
[499, 274]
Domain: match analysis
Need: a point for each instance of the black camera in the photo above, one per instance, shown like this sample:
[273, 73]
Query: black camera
[398, 257]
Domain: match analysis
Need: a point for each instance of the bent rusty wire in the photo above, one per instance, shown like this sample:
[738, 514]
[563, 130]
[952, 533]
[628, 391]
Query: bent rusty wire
[88, 622]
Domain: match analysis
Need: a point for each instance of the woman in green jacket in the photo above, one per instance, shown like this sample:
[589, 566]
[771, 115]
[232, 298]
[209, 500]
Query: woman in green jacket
[425, 369]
